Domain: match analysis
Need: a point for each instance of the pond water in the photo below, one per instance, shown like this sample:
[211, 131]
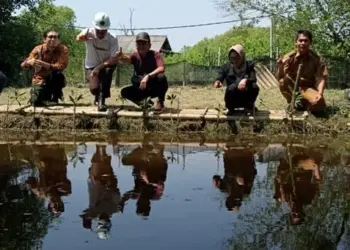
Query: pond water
[179, 196]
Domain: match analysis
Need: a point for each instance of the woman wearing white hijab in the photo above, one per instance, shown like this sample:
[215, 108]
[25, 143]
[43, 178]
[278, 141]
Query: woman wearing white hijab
[240, 77]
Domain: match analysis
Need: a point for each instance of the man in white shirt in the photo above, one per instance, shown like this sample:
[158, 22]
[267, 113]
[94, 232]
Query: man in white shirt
[101, 47]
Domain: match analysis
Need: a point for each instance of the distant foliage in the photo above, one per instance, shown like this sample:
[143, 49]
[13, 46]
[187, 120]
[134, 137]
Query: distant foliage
[206, 52]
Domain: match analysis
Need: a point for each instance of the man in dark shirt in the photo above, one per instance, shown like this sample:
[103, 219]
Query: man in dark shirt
[148, 79]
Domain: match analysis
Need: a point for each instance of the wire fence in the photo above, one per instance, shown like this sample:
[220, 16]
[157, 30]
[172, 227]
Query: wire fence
[185, 73]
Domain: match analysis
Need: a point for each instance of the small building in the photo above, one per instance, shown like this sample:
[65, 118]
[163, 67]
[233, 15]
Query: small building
[159, 43]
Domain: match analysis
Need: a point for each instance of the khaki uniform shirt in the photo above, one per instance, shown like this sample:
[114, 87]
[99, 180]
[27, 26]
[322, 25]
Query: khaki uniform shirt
[58, 59]
[312, 69]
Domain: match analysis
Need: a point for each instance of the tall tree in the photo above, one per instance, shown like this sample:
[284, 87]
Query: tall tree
[329, 20]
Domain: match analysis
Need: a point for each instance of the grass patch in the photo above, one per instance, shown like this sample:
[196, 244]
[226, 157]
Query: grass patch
[182, 97]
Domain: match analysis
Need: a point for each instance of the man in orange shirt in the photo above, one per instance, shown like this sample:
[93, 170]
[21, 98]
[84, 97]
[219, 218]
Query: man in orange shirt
[48, 60]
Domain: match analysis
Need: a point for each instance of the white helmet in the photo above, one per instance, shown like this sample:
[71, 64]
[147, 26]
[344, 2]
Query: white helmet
[101, 21]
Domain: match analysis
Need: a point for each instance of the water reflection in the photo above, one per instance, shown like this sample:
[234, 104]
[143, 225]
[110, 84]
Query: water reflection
[297, 180]
[239, 175]
[149, 172]
[275, 196]
[104, 194]
[51, 182]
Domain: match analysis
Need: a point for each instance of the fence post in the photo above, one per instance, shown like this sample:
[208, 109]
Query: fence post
[184, 73]
[117, 78]
[84, 72]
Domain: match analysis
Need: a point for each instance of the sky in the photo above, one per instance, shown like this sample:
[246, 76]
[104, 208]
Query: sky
[169, 13]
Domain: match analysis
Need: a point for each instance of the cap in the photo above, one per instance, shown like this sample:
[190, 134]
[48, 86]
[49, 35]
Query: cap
[101, 21]
[143, 36]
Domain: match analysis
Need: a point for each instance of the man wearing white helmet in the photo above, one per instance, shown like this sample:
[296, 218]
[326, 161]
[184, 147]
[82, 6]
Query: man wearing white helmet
[101, 46]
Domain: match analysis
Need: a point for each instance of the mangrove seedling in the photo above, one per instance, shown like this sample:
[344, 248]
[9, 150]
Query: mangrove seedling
[74, 99]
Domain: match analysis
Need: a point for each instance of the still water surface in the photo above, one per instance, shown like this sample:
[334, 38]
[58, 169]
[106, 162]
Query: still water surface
[155, 196]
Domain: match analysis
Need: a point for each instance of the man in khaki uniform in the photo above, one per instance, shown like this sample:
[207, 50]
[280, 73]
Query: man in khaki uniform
[313, 74]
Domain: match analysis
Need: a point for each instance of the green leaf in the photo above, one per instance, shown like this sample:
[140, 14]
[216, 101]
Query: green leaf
[72, 99]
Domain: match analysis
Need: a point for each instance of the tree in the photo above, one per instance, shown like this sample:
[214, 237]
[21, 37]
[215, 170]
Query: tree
[327, 19]
[8, 7]
[206, 52]
[131, 29]
[24, 31]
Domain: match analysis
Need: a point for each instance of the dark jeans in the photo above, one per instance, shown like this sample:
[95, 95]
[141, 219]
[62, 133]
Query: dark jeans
[235, 98]
[3, 81]
[51, 90]
[102, 83]
[156, 87]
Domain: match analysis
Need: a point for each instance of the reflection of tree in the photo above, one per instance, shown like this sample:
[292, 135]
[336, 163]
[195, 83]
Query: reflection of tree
[267, 225]
[24, 220]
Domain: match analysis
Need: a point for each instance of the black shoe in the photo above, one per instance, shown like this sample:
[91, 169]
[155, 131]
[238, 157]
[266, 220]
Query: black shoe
[96, 100]
[54, 100]
[140, 104]
[101, 104]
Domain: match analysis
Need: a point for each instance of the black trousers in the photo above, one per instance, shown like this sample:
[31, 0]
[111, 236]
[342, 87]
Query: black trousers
[51, 90]
[3, 81]
[156, 87]
[102, 83]
[235, 98]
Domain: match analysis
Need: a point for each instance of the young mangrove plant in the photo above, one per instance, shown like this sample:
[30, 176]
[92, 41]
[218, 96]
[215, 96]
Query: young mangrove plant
[74, 99]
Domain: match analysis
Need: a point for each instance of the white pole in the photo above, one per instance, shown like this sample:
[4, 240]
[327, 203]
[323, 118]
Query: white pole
[271, 42]
[219, 56]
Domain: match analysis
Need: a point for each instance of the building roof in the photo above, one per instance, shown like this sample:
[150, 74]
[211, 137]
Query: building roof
[128, 43]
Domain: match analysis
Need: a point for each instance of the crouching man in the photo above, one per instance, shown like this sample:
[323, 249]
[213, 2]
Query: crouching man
[312, 78]
[148, 79]
[48, 60]
[101, 47]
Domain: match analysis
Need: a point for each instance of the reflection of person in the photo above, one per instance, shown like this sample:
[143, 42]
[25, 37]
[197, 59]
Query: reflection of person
[150, 169]
[294, 181]
[52, 183]
[239, 176]
[104, 194]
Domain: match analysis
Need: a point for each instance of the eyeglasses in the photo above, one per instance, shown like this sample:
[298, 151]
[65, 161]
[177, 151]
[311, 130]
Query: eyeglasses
[141, 42]
[52, 37]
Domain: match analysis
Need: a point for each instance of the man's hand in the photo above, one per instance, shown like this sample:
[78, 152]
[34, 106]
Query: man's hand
[120, 53]
[242, 84]
[40, 63]
[30, 62]
[81, 37]
[318, 97]
[144, 81]
[217, 84]
[95, 72]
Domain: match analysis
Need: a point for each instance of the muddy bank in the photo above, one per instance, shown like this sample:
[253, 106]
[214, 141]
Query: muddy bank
[333, 126]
